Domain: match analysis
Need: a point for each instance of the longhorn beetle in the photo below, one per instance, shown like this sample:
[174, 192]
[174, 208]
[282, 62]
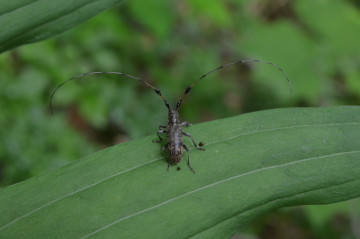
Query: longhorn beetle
[174, 133]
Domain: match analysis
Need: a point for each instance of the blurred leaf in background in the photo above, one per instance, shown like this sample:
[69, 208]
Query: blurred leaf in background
[170, 44]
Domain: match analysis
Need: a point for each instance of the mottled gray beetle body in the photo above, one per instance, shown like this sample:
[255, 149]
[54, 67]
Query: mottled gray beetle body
[174, 138]
[174, 133]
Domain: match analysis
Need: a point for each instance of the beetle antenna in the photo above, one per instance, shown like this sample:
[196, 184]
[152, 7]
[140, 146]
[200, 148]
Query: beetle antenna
[232, 63]
[115, 73]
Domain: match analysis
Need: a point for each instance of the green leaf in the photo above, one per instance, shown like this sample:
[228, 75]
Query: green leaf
[26, 21]
[253, 163]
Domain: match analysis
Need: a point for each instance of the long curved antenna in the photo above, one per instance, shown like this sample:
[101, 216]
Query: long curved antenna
[232, 63]
[116, 73]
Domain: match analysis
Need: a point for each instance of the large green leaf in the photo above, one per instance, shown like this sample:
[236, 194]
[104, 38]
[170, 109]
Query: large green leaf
[26, 21]
[252, 163]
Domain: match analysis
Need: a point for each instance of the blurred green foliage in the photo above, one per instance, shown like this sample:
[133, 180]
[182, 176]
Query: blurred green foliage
[170, 44]
[333, 221]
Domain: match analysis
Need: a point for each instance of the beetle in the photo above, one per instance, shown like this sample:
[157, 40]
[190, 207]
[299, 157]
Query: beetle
[174, 130]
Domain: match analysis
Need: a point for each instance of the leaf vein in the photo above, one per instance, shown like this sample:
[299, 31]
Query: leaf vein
[212, 185]
[152, 161]
[271, 202]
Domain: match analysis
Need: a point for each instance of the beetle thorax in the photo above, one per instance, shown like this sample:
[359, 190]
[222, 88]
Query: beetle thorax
[173, 117]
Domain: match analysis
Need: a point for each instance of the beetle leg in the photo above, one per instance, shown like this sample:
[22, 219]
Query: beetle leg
[163, 153]
[158, 133]
[163, 149]
[187, 124]
[188, 135]
[162, 127]
[188, 163]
